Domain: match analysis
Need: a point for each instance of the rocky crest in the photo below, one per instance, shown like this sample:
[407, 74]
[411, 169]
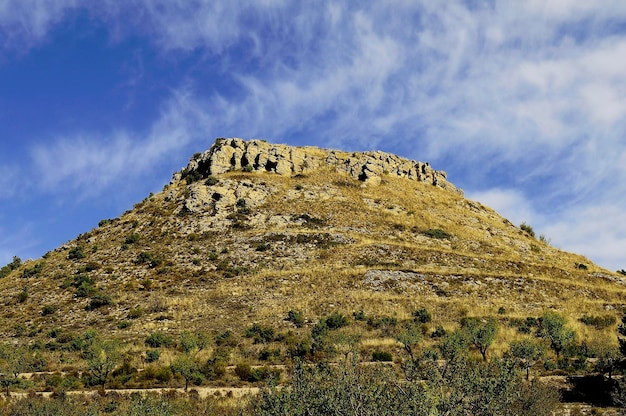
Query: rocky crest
[259, 156]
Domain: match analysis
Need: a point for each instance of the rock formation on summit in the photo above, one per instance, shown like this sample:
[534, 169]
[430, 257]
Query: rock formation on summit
[257, 155]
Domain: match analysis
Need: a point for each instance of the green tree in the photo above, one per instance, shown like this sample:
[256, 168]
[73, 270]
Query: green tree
[102, 358]
[190, 342]
[607, 355]
[527, 352]
[188, 368]
[481, 333]
[409, 336]
[13, 362]
[552, 328]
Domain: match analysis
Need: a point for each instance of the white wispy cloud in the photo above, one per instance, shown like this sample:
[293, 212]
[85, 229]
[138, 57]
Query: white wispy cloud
[93, 162]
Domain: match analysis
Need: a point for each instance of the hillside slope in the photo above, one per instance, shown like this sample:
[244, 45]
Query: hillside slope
[249, 230]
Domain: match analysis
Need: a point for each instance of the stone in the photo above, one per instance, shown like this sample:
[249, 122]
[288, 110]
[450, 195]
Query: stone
[235, 154]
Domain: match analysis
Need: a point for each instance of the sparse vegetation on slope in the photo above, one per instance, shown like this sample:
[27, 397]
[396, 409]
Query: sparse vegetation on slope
[275, 269]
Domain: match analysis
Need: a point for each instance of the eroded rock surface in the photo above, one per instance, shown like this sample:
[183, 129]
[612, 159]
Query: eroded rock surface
[258, 155]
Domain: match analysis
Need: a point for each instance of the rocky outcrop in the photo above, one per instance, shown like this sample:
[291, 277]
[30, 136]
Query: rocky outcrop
[259, 156]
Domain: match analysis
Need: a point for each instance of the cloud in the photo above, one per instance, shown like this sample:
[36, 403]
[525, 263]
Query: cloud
[25, 23]
[511, 204]
[597, 231]
[93, 162]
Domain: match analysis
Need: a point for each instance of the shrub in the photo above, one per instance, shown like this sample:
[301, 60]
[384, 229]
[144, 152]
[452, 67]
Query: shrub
[247, 168]
[245, 372]
[6, 270]
[104, 222]
[148, 258]
[263, 247]
[152, 356]
[76, 253]
[261, 334]
[359, 316]
[598, 322]
[438, 332]
[131, 238]
[191, 176]
[226, 339]
[159, 339]
[22, 296]
[268, 354]
[99, 300]
[581, 266]
[437, 233]
[135, 313]
[296, 318]
[422, 315]
[528, 229]
[622, 272]
[335, 321]
[382, 356]
[33, 271]
[124, 324]
[48, 310]
[211, 180]
[385, 322]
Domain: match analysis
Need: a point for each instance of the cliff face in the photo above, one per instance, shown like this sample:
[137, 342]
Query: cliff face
[257, 155]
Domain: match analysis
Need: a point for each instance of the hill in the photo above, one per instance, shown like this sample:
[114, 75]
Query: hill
[245, 234]
[258, 243]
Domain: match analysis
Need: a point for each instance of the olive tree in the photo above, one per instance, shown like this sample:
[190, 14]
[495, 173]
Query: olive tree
[552, 328]
[102, 358]
[527, 352]
[480, 333]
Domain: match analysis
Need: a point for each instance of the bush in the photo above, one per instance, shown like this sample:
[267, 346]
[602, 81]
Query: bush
[135, 313]
[359, 316]
[528, 229]
[152, 356]
[248, 168]
[48, 310]
[99, 300]
[124, 324]
[335, 321]
[598, 322]
[159, 339]
[76, 253]
[382, 356]
[422, 315]
[104, 222]
[33, 271]
[6, 270]
[211, 180]
[150, 259]
[245, 372]
[261, 334]
[226, 339]
[437, 233]
[296, 318]
[131, 238]
[22, 296]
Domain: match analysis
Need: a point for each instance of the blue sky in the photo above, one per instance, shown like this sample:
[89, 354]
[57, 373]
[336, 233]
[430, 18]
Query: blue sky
[522, 103]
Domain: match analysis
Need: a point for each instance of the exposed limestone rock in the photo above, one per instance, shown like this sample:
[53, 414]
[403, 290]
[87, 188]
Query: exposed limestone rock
[259, 156]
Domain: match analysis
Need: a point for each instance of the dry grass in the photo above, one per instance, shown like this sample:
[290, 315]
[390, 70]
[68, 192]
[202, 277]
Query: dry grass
[215, 275]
